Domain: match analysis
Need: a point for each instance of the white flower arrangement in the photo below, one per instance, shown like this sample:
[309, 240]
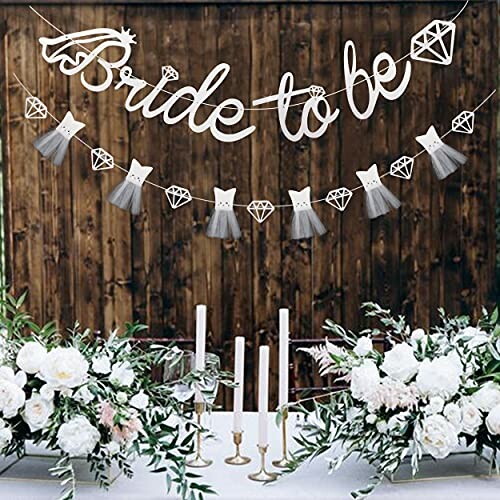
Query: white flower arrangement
[424, 395]
[92, 398]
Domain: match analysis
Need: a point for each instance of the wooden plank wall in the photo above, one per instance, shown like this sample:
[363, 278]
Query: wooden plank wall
[82, 258]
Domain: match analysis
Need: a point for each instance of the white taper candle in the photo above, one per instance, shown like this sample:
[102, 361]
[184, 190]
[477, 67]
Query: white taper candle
[239, 378]
[263, 393]
[284, 334]
[201, 334]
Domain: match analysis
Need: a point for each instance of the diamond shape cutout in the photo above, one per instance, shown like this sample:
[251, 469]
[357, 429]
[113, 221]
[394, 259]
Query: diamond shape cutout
[170, 73]
[260, 210]
[463, 123]
[316, 91]
[402, 168]
[339, 198]
[101, 159]
[177, 196]
[434, 43]
[34, 109]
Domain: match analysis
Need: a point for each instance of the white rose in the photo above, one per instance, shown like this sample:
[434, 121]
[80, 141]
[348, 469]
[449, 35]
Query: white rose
[12, 398]
[441, 376]
[436, 405]
[437, 436]
[37, 412]
[20, 379]
[5, 437]
[493, 420]
[418, 337]
[471, 418]
[84, 395]
[64, 368]
[365, 380]
[364, 345]
[371, 418]
[139, 400]
[487, 397]
[47, 392]
[381, 426]
[31, 357]
[121, 397]
[453, 413]
[102, 365]
[122, 374]
[78, 437]
[400, 363]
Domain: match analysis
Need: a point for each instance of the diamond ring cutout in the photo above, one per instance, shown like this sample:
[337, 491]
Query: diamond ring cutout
[339, 198]
[260, 210]
[35, 109]
[316, 91]
[170, 73]
[101, 159]
[177, 196]
[402, 168]
[463, 123]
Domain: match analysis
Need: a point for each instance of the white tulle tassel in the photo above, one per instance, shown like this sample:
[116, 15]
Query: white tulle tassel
[305, 222]
[128, 194]
[445, 159]
[223, 223]
[379, 200]
[54, 143]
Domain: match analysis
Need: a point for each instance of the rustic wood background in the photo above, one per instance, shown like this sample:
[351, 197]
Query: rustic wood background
[81, 257]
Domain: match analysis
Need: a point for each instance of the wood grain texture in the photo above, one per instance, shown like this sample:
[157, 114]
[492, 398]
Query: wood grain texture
[83, 258]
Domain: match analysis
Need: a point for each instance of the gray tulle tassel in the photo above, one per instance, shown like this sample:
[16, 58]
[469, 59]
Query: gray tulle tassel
[53, 145]
[445, 159]
[379, 200]
[305, 222]
[128, 194]
[223, 223]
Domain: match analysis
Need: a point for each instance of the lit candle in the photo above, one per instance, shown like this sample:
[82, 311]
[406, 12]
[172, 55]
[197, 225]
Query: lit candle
[201, 333]
[283, 356]
[263, 393]
[239, 378]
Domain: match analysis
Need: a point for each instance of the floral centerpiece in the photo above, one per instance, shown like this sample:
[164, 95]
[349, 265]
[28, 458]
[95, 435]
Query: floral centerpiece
[91, 398]
[425, 394]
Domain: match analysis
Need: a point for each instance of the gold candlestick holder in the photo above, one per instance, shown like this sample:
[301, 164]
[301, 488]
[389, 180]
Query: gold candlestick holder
[198, 460]
[283, 462]
[237, 459]
[262, 475]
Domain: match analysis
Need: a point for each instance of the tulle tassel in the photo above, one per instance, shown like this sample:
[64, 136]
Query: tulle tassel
[128, 194]
[379, 200]
[223, 223]
[445, 159]
[53, 145]
[305, 222]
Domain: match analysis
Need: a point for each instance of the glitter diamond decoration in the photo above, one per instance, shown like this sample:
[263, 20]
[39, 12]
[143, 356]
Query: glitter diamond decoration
[339, 198]
[434, 43]
[170, 73]
[260, 210]
[316, 91]
[35, 109]
[402, 168]
[101, 159]
[463, 123]
[177, 196]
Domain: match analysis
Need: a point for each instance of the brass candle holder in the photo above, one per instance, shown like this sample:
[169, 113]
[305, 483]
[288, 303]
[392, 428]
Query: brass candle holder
[237, 459]
[198, 460]
[262, 475]
[283, 462]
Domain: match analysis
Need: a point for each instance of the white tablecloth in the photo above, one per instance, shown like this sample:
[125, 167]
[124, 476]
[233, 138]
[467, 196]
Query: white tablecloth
[310, 482]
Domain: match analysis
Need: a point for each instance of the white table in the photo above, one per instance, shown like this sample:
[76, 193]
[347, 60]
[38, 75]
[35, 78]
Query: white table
[231, 483]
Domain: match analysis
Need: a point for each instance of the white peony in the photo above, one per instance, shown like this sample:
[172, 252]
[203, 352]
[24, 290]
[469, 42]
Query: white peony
[37, 412]
[78, 437]
[441, 376]
[436, 405]
[493, 420]
[83, 395]
[64, 368]
[12, 398]
[101, 364]
[471, 418]
[365, 380]
[363, 346]
[5, 435]
[47, 392]
[418, 337]
[30, 357]
[487, 397]
[122, 374]
[437, 436]
[400, 363]
[139, 400]
[453, 413]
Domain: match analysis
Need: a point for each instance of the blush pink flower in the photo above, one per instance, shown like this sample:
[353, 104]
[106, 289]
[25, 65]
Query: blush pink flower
[107, 414]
